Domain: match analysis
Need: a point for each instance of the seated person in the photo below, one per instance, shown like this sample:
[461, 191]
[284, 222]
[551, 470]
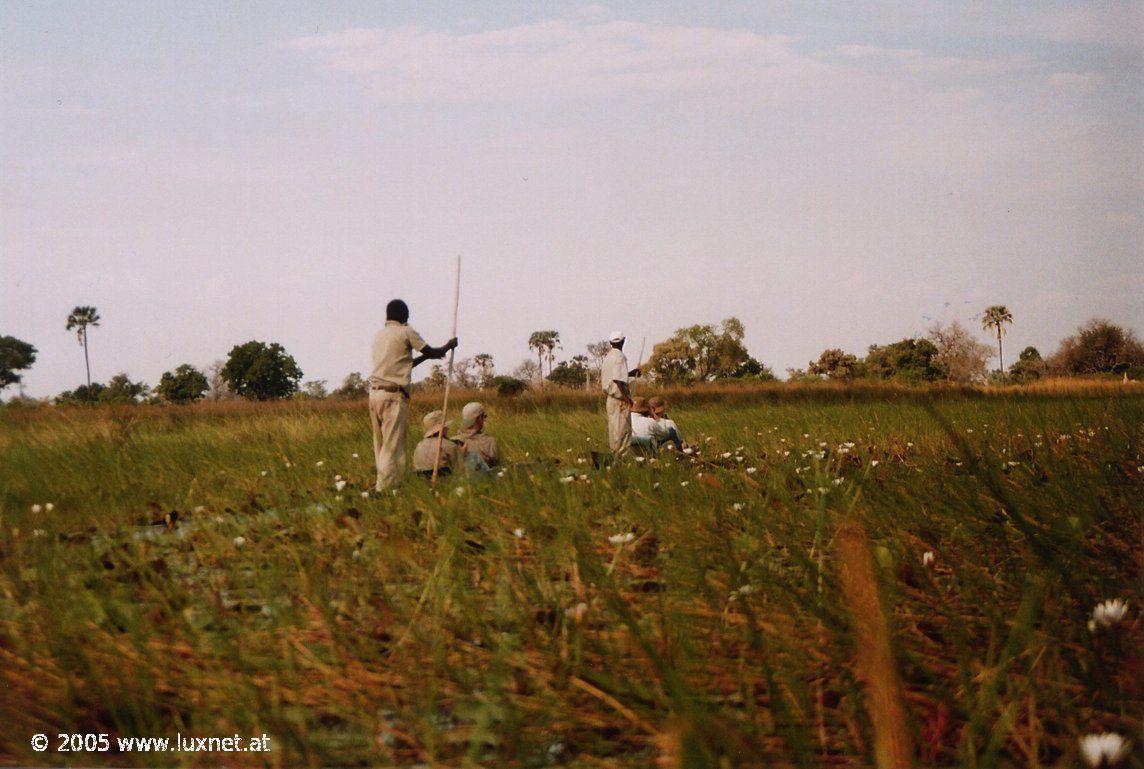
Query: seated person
[425, 453]
[646, 432]
[481, 451]
[668, 431]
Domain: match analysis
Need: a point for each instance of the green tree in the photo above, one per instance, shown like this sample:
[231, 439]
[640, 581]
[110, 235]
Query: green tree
[753, 369]
[260, 371]
[835, 364]
[570, 373]
[121, 390]
[1029, 366]
[508, 386]
[314, 389]
[183, 385]
[700, 353]
[83, 394]
[485, 369]
[437, 377]
[80, 319]
[545, 343]
[15, 355]
[353, 386]
[910, 361]
[995, 318]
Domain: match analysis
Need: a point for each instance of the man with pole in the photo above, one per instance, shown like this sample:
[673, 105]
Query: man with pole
[614, 375]
[393, 363]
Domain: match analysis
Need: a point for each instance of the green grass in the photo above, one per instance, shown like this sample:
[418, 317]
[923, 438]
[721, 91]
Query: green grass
[418, 628]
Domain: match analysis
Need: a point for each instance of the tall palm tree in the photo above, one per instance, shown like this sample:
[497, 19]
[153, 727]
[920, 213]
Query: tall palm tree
[995, 318]
[79, 319]
[537, 340]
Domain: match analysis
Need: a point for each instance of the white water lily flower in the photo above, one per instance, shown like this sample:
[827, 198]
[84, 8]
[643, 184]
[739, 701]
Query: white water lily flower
[753, 470]
[518, 533]
[459, 491]
[337, 477]
[726, 455]
[239, 541]
[621, 539]
[655, 485]
[566, 479]
[500, 474]
[684, 483]
[49, 506]
[354, 455]
[39, 533]
[365, 495]
[1106, 749]
[319, 463]
[37, 508]
[838, 481]
[874, 463]
[737, 506]
[688, 450]
[199, 508]
[264, 473]
[1110, 612]
[339, 484]
[583, 477]
[928, 558]
[641, 459]
[576, 613]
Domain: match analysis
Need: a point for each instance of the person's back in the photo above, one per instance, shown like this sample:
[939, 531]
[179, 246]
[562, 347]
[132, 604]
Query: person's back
[665, 430]
[425, 452]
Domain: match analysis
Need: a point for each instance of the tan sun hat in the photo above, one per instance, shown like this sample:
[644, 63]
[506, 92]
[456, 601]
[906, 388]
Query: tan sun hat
[471, 413]
[656, 402]
[434, 421]
[639, 405]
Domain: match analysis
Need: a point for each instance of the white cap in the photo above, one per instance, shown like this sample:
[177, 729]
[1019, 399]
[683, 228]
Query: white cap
[616, 336]
[472, 411]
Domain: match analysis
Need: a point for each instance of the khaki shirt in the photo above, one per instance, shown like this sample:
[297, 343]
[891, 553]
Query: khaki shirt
[425, 453]
[614, 368]
[393, 354]
[485, 445]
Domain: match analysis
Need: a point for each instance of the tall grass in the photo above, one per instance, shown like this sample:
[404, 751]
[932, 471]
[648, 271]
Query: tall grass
[419, 628]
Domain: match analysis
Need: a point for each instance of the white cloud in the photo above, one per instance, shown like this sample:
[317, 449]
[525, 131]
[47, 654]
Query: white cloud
[566, 58]
[1119, 22]
[1076, 81]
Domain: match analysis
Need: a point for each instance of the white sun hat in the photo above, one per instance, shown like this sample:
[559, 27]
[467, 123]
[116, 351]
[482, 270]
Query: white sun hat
[616, 336]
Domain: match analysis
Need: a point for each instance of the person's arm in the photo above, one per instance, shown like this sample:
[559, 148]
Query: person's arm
[429, 352]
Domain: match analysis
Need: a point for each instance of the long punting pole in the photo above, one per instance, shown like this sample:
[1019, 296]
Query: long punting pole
[449, 374]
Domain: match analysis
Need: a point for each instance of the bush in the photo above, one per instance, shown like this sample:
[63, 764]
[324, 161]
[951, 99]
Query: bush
[507, 386]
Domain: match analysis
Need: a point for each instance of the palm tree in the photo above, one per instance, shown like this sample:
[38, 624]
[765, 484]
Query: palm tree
[995, 318]
[537, 340]
[79, 319]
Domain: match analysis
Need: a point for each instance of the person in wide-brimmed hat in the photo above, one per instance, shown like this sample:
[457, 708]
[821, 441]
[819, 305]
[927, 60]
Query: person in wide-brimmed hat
[425, 453]
[666, 429]
[645, 430]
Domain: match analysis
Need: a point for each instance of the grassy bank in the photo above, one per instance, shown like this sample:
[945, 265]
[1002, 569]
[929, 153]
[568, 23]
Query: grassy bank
[200, 573]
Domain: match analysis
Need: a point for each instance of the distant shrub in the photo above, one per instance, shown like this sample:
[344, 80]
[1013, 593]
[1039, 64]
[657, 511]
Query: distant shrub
[508, 387]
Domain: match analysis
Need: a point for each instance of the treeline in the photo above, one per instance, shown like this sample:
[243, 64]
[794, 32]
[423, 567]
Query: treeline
[262, 371]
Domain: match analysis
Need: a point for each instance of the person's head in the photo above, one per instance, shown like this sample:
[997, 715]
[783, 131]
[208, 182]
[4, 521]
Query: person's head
[657, 405]
[473, 416]
[639, 406]
[616, 339]
[397, 310]
[435, 422]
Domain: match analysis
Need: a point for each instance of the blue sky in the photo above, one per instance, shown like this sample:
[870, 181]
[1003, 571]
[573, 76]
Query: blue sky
[209, 173]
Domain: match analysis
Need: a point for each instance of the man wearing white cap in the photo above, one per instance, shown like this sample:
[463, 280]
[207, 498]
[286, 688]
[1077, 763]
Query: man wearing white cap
[614, 375]
[478, 447]
[425, 453]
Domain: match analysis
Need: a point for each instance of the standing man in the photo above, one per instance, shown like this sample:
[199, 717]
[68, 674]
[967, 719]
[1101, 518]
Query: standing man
[393, 363]
[614, 375]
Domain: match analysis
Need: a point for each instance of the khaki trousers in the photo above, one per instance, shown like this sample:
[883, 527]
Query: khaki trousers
[619, 427]
[389, 416]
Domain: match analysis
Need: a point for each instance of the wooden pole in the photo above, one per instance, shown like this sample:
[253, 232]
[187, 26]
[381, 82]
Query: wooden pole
[640, 361]
[449, 373]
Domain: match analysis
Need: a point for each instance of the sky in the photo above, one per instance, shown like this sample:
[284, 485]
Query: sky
[833, 175]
